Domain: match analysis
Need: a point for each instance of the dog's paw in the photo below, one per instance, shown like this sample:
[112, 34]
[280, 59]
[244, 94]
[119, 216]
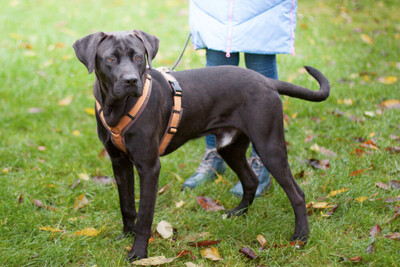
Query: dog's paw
[234, 213]
[134, 256]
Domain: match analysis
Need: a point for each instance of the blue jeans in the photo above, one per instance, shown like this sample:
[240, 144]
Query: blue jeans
[263, 64]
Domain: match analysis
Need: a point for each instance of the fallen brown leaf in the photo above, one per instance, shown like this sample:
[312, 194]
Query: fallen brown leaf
[371, 248]
[20, 198]
[209, 204]
[356, 259]
[393, 149]
[382, 185]
[394, 236]
[162, 190]
[205, 243]
[375, 230]
[370, 144]
[248, 252]
[319, 164]
[184, 253]
[394, 184]
[38, 203]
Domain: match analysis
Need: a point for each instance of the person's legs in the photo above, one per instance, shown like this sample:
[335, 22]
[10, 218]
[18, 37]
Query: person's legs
[265, 65]
[211, 162]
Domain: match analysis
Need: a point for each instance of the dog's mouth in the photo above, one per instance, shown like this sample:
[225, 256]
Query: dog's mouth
[117, 100]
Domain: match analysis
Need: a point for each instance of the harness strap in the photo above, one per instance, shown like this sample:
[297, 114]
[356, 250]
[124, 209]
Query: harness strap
[176, 113]
[117, 132]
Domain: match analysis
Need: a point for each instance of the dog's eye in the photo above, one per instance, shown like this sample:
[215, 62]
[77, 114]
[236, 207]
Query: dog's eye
[110, 59]
[138, 58]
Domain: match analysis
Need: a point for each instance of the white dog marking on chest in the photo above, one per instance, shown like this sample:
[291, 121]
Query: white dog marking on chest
[226, 138]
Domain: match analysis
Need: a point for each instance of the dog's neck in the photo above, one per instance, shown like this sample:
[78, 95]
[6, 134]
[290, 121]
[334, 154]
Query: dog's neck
[113, 112]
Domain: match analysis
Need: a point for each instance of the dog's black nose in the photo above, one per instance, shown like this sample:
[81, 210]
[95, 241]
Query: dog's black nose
[130, 80]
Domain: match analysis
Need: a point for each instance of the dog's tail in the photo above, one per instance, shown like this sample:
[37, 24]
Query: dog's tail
[285, 88]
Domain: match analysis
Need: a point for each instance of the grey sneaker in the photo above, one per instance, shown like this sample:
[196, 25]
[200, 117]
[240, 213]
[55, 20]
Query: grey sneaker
[211, 164]
[261, 173]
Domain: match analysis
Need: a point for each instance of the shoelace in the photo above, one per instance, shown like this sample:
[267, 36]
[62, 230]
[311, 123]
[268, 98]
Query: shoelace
[256, 164]
[206, 163]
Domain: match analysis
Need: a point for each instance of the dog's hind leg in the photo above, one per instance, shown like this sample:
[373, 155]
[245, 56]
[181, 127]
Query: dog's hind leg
[234, 155]
[274, 157]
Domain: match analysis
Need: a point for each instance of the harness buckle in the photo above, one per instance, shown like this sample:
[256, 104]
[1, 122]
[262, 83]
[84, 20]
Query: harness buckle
[172, 130]
[115, 134]
[176, 88]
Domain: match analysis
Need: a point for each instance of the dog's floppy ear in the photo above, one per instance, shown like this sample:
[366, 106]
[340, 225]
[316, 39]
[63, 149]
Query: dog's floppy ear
[150, 43]
[86, 49]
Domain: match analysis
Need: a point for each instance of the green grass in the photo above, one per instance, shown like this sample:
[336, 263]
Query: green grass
[38, 68]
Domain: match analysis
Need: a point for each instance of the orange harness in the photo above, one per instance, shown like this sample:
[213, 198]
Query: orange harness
[117, 132]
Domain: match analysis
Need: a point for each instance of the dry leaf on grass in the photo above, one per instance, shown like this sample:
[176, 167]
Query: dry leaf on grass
[87, 232]
[319, 205]
[84, 176]
[261, 239]
[184, 253]
[80, 202]
[162, 190]
[38, 203]
[370, 249]
[211, 253]
[209, 204]
[158, 260]
[165, 229]
[394, 184]
[336, 192]
[249, 253]
[204, 243]
[51, 229]
[331, 211]
[382, 185]
[90, 111]
[388, 80]
[375, 230]
[65, 101]
[393, 149]
[319, 164]
[370, 144]
[394, 236]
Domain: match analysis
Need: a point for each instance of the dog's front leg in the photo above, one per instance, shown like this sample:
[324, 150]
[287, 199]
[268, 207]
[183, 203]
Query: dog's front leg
[148, 172]
[123, 173]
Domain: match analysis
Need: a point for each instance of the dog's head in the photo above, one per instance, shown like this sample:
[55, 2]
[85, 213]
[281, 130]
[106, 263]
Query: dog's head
[119, 61]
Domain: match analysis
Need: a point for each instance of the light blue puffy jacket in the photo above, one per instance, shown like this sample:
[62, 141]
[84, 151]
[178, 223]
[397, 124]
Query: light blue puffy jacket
[250, 26]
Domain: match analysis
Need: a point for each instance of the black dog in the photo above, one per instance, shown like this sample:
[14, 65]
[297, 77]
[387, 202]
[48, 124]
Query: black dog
[237, 105]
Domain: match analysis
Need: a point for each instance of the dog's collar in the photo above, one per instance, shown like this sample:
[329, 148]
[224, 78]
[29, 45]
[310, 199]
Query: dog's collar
[126, 121]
